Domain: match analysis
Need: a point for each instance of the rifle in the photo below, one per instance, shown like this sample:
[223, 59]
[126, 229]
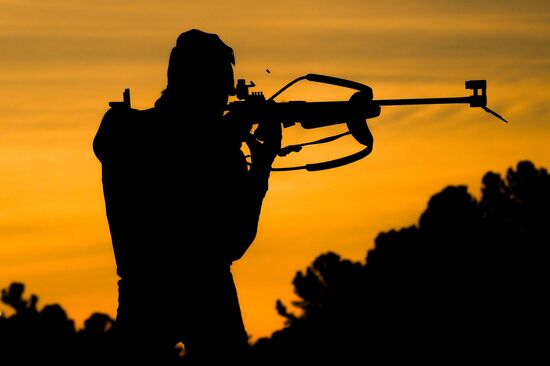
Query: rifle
[251, 108]
[254, 107]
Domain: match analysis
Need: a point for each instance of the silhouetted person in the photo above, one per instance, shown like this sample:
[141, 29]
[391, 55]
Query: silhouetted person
[182, 205]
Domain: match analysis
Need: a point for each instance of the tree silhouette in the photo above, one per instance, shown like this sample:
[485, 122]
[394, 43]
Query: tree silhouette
[468, 282]
[47, 336]
[325, 330]
[13, 296]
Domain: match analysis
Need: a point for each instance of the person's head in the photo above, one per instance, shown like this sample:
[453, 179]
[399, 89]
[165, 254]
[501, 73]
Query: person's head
[201, 68]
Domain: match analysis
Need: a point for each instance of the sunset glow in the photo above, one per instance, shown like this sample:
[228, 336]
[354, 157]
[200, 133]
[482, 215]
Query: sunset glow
[62, 62]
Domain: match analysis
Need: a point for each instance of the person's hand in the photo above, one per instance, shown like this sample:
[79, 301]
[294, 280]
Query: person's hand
[263, 153]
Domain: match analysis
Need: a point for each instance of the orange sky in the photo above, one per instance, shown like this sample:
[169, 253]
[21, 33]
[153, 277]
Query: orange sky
[61, 62]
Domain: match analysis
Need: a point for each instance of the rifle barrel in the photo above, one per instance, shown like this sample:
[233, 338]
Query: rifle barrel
[418, 101]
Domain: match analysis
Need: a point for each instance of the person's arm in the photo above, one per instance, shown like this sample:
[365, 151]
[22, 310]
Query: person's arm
[256, 185]
[110, 146]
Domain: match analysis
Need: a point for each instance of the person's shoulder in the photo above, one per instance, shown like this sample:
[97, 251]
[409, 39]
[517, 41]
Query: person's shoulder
[117, 122]
[150, 113]
[129, 120]
[120, 114]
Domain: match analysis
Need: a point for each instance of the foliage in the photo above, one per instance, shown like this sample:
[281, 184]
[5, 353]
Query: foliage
[32, 336]
[467, 282]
